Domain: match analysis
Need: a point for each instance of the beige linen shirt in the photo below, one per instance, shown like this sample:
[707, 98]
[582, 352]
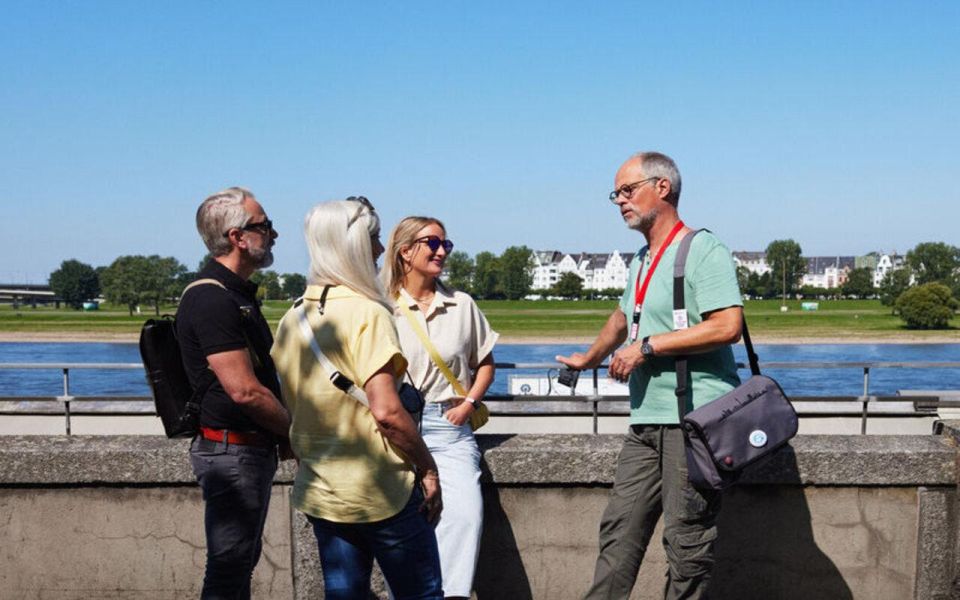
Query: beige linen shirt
[458, 330]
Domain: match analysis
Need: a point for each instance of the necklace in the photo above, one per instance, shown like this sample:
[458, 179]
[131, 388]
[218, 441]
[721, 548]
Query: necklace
[423, 299]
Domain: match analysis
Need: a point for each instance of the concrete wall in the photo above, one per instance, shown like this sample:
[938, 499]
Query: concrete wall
[829, 517]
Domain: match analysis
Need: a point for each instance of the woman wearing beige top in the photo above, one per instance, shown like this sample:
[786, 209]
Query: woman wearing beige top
[414, 260]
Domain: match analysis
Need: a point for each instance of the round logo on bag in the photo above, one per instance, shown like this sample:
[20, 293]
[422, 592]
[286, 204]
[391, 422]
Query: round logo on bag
[758, 438]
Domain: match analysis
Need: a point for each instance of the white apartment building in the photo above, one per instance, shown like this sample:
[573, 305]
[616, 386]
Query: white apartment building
[598, 271]
[603, 271]
[828, 271]
[885, 264]
[755, 262]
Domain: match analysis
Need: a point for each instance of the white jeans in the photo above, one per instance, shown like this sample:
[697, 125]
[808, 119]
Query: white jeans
[458, 531]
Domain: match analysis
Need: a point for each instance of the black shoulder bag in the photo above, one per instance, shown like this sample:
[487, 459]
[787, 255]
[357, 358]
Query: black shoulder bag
[737, 429]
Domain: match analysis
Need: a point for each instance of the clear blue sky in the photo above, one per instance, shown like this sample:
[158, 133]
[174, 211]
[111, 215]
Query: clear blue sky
[836, 124]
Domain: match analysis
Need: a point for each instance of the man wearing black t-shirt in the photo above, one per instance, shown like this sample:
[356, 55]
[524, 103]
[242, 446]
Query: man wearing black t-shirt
[224, 339]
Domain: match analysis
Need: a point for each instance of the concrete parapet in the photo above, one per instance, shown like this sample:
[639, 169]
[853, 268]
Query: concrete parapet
[827, 517]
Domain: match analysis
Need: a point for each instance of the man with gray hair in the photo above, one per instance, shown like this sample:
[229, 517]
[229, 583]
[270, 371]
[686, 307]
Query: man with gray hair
[225, 342]
[651, 476]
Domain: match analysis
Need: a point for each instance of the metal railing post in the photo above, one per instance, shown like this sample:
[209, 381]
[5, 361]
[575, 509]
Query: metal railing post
[66, 398]
[866, 400]
[596, 400]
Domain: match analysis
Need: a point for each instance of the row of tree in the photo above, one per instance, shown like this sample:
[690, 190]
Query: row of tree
[488, 276]
[128, 281]
[137, 280]
[923, 291]
[929, 262]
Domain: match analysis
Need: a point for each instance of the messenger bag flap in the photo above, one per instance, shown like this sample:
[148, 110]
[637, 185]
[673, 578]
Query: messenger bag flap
[764, 421]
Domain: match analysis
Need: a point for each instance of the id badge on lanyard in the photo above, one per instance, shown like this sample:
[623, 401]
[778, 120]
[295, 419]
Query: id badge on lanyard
[635, 326]
[640, 291]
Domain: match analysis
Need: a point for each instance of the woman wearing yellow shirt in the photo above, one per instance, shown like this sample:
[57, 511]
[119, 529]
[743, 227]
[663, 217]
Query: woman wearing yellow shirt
[462, 339]
[357, 476]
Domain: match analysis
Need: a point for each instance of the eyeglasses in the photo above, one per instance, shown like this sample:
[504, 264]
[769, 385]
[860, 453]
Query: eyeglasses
[264, 227]
[363, 203]
[433, 242]
[627, 189]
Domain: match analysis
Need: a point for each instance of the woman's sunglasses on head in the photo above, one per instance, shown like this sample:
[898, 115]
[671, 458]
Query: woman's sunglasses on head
[362, 200]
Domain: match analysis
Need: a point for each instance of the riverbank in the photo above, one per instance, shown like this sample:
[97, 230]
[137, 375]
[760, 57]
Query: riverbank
[949, 337]
[525, 322]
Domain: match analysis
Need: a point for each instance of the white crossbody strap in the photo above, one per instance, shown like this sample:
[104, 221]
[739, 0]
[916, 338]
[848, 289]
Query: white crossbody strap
[336, 378]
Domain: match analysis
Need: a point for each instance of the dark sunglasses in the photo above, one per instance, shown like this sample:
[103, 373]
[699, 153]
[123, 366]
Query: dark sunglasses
[434, 243]
[363, 203]
[264, 227]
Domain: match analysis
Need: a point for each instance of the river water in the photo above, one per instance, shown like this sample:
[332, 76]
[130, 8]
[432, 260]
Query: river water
[796, 382]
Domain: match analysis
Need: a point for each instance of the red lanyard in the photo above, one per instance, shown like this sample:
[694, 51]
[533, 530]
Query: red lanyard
[640, 291]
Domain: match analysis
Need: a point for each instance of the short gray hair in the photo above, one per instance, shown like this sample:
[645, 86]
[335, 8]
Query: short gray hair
[656, 164]
[220, 213]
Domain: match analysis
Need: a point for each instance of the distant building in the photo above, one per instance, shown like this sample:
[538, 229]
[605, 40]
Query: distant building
[828, 271]
[755, 262]
[598, 271]
[885, 264]
[546, 268]
[603, 271]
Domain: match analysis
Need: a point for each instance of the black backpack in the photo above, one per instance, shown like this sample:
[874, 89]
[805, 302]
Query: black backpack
[177, 403]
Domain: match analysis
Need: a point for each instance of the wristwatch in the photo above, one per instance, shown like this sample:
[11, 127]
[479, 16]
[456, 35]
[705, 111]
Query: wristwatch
[646, 349]
[473, 401]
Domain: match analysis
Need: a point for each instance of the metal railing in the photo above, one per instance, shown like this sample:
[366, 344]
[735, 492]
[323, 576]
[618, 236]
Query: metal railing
[595, 403]
[66, 398]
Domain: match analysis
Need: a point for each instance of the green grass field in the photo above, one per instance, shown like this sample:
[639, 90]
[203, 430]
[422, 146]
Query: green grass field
[834, 319]
[838, 319]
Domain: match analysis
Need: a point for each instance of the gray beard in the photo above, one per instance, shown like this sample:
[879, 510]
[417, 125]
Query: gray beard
[261, 257]
[644, 222]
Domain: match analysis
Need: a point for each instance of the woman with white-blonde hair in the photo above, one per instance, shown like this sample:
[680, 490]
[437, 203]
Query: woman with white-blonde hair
[449, 346]
[365, 480]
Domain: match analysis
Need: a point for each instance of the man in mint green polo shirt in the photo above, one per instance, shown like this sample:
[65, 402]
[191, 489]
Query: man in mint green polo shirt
[651, 476]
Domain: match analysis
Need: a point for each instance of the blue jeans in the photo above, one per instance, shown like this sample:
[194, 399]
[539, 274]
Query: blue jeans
[404, 546]
[458, 531]
[236, 483]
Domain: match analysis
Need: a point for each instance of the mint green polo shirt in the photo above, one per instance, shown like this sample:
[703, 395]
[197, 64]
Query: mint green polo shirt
[710, 283]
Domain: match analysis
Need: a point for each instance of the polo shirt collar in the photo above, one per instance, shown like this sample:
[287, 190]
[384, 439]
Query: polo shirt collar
[229, 279]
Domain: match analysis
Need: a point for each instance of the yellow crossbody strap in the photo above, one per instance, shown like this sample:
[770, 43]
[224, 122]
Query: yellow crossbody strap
[431, 349]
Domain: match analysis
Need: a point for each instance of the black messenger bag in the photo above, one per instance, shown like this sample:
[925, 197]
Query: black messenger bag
[737, 429]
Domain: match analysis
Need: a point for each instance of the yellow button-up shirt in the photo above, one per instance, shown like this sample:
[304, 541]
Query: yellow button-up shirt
[349, 472]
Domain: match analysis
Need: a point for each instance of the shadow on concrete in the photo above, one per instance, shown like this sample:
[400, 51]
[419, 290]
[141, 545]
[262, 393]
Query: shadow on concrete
[766, 549]
[500, 570]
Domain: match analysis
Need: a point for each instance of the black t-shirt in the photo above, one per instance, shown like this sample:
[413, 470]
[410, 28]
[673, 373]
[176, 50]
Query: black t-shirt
[212, 320]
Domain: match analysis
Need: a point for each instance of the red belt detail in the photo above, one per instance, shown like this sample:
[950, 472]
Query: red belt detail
[240, 438]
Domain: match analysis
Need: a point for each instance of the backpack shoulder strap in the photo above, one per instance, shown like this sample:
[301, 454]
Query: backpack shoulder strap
[204, 281]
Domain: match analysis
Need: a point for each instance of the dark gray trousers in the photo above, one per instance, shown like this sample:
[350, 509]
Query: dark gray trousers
[651, 479]
[236, 482]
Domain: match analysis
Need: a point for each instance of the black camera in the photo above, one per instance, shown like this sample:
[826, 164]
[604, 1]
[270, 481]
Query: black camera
[568, 377]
